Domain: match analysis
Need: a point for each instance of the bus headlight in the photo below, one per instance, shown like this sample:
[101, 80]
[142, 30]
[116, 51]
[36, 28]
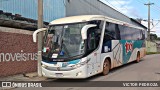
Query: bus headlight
[79, 64]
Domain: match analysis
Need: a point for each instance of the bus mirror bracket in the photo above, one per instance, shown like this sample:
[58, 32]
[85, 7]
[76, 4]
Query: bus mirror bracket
[36, 32]
[85, 29]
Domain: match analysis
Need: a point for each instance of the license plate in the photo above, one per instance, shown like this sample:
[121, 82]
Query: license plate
[59, 75]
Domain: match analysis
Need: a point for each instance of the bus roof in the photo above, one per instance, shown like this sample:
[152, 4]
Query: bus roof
[74, 19]
[85, 18]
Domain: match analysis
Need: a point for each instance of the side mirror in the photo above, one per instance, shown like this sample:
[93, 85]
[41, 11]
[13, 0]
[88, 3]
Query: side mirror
[36, 32]
[85, 29]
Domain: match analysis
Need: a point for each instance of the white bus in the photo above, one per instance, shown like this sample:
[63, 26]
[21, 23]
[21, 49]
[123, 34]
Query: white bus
[83, 46]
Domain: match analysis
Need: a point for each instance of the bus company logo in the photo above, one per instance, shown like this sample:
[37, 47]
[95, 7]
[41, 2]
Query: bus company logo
[129, 47]
[6, 84]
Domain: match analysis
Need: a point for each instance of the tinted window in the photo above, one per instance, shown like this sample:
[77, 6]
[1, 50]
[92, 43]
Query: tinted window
[128, 33]
[111, 32]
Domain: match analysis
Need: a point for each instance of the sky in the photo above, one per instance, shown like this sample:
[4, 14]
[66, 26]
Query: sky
[137, 9]
[131, 8]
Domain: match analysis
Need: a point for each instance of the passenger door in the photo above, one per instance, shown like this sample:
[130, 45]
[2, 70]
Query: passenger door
[91, 49]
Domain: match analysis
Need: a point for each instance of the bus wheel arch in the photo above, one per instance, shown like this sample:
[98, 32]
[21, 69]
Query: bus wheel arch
[138, 57]
[106, 66]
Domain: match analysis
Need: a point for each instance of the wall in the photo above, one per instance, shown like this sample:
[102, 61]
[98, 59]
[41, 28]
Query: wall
[17, 52]
[53, 9]
[158, 46]
[151, 46]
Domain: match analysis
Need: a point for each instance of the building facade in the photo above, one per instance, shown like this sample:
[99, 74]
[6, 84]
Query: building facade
[53, 9]
[96, 7]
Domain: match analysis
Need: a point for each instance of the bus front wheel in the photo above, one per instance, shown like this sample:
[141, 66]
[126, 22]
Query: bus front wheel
[106, 67]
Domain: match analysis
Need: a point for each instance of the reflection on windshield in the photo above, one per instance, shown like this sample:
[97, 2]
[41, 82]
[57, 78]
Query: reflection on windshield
[63, 41]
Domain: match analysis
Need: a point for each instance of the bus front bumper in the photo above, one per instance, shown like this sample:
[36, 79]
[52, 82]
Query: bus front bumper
[80, 72]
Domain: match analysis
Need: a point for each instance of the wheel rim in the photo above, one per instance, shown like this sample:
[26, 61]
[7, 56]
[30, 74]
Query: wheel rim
[106, 67]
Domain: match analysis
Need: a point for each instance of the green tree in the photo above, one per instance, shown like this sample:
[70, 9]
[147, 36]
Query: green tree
[158, 38]
[153, 36]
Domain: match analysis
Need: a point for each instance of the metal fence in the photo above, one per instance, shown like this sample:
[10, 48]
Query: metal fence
[53, 9]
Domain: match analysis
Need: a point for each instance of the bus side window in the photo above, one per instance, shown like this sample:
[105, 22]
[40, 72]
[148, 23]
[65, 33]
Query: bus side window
[117, 31]
[143, 35]
[110, 33]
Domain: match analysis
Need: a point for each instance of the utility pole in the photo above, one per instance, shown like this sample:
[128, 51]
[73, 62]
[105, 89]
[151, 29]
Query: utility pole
[40, 36]
[149, 28]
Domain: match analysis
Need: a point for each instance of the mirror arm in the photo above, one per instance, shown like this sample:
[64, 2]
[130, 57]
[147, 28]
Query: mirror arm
[36, 32]
[85, 29]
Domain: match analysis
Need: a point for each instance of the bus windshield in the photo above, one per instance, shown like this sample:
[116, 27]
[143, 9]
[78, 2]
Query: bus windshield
[63, 41]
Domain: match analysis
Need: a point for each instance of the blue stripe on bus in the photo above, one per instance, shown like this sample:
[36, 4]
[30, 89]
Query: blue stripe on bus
[74, 61]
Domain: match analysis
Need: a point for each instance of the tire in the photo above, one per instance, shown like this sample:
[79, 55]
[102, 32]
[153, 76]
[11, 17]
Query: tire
[138, 58]
[106, 67]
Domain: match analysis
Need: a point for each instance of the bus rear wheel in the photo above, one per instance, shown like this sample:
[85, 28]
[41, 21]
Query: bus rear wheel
[138, 58]
[106, 67]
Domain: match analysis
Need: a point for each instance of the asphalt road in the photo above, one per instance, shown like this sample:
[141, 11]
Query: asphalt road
[147, 70]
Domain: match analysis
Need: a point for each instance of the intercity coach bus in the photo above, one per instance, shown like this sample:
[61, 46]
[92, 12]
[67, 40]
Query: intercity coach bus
[83, 46]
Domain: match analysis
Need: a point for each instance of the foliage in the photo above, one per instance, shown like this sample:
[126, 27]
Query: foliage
[153, 36]
[149, 53]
